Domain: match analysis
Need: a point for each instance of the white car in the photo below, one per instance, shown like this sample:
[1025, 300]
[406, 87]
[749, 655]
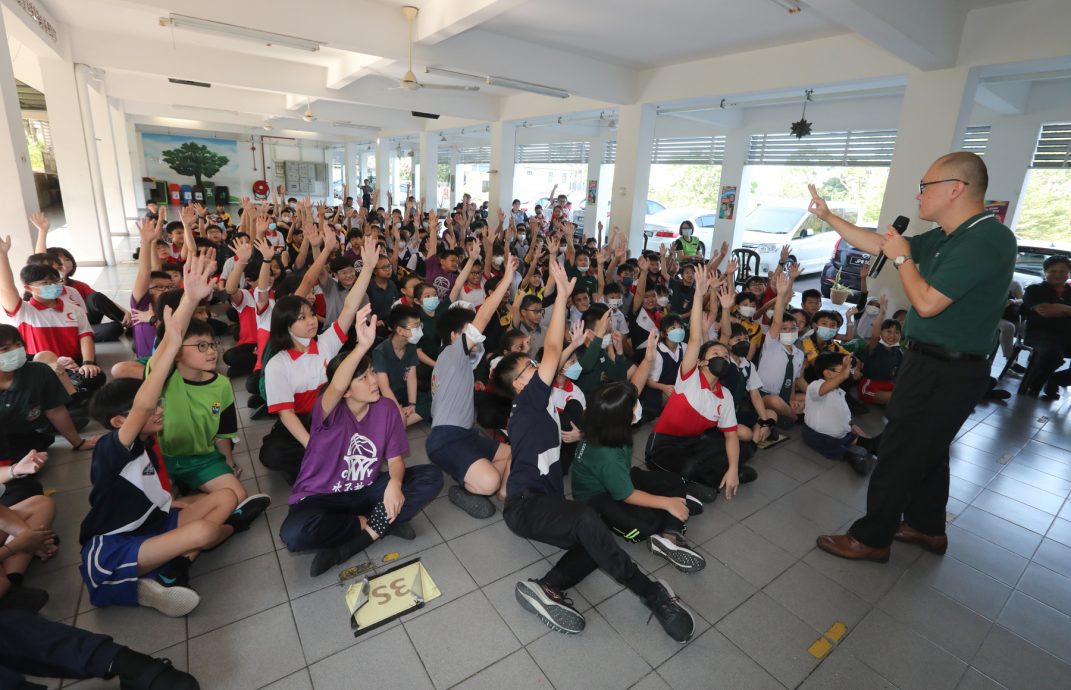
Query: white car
[770, 226]
[653, 207]
[664, 227]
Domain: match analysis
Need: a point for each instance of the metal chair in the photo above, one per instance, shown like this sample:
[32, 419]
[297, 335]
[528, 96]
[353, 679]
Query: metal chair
[1018, 346]
[747, 264]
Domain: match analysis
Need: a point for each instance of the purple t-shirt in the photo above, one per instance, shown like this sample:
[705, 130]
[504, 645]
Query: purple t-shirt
[144, 333]
[434, 275]
[346, 455]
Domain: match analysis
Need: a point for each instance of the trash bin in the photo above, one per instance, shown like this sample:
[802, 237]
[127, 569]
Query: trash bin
[174, 192]
[160, 193]
[187, 194]
[198, 194]
[223, 195]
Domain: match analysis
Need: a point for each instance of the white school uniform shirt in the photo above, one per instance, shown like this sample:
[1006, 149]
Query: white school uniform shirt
[293, 379]
[656, 368]
[772, 364]
[827, 414]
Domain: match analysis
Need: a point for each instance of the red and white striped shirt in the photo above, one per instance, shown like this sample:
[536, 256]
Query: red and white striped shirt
[58, 328]
[293, 379]
[695, 407]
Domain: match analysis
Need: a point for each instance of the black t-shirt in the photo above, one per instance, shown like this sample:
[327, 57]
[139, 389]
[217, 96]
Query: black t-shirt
[1043, 293]
[535, 441]
[383, 299]
[33, 390]
[680, 296]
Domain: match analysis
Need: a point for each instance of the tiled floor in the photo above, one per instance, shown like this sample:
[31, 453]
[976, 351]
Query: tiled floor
[995, 611]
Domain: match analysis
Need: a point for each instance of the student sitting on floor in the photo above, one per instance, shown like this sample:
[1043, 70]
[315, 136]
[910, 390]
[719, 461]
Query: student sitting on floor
[477, 463]
[828, 426]
[353, 487]
[137, 544]
[395, 362]
[25, 532]
[635, 503]
[781, 366]
[536, 507]
[251, 303]
[881, 361]
[663, 371]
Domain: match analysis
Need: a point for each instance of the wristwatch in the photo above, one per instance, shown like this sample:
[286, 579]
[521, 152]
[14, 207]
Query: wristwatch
[901, 260]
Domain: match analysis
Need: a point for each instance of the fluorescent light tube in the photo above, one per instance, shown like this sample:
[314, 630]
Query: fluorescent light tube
[527, 86]
[181, 21]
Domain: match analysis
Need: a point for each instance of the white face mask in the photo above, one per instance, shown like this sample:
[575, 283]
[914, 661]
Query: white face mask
[303, 342]
[614, 303]
[473, 335]
[415, 334]
[895, 343]
[12, 359]
[606, 340]
[662, 301]
[787, 338]
[871, 310]
[769, 314]
[746, 312]
[497, 261]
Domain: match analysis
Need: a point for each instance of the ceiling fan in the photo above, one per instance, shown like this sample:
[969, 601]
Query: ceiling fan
[409, 81]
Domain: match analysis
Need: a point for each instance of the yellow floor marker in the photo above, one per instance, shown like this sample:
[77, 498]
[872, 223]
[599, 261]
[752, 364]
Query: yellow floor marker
[820, 648]
[392, 556]
[836, 631]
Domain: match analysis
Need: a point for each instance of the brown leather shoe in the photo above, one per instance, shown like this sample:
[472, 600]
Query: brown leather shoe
[906, 532]
[847, 546]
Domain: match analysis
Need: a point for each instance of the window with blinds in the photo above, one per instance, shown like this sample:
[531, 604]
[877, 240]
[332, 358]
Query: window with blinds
[474, 155]
[872, 148]
[557, 152]
[1054, 147]
[688, 150]
[609, 154]
[976, 139]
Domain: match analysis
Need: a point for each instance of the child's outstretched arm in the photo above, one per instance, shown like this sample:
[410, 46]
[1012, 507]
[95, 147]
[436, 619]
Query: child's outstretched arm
[340, 382]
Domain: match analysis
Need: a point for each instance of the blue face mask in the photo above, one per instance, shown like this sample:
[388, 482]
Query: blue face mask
[430, 304]
[573, 371]
[272, 226]
[626, 281]
[826, 332]
[675, 335]
[52, 291]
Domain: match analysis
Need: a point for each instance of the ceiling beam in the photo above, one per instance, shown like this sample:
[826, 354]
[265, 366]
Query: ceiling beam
[442, 19]
[1006, 98]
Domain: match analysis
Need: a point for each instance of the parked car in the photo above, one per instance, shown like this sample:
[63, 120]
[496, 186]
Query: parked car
[771, 226]
[653, 207]
[1031, 256]
[664, 226]
[849, 260]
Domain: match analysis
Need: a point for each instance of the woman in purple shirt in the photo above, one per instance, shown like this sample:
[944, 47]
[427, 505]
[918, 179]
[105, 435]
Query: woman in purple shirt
[353, 487]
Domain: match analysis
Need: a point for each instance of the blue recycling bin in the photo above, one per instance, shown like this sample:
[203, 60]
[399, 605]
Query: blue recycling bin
[187, 194]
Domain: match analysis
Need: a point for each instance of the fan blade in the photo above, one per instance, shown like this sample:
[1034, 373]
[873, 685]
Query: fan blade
[446, 87]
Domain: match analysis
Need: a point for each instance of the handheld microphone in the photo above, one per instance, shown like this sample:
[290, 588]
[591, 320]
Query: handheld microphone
[899, 225]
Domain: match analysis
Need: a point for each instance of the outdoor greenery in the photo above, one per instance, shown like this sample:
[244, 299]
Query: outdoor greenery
[863, 187]
[1046, 206]
[194, 159]
[675, 185]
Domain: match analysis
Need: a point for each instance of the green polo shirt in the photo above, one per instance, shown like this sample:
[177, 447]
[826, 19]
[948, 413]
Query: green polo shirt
[972, 266]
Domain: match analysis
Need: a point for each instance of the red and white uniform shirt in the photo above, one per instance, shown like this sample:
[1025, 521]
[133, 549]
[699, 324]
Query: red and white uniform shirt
[263, 326]
[293, 379]
[245, 303]
[275, 238]
[695, 407]
[561, 395]
[58, 328]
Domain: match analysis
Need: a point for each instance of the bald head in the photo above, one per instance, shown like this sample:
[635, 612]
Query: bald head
[966, 166]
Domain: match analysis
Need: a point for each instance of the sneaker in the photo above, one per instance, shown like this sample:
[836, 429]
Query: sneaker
[158, 674]
[860, 459]
[677, 551]
[173, 601]
[675, 619]
[479, 507]
[703, 492]
[255, 401]
[747, 474]
[247, 511]
[402, 530]
[551, 606]
[28, 599]
[326, 558]
[695, 506]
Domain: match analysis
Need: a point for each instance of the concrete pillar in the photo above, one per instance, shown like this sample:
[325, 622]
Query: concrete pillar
[350, 173]
[733, 174]
[16, 176]
[1012, 141]
[127, 181]
[429, 169]
[137, 164]
[632, 173]
[503, 164]
[77, 171]
[383, 181]
[594, 212]
[109, 167]
[82, 77]
[933, 117]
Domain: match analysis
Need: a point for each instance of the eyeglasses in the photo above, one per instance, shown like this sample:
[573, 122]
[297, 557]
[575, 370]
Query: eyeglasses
[204, 345]
[531, 363]
[537, 310]
[924, 185]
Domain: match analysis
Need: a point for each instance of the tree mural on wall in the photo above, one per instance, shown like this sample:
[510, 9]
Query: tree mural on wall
[194, 159]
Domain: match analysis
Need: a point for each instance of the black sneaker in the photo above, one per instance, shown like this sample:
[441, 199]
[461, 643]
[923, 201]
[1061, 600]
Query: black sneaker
[28, 599]
[158, 674]
[402, 530]
[860, 459]
[247, 511]
[171, 600]
[675, 619]
[747, 474]
[255, 401]
[695, 506]
[677, 551]
[259, 413]
[551, 606]
[326, 558]
[477, 506]
[703, 492]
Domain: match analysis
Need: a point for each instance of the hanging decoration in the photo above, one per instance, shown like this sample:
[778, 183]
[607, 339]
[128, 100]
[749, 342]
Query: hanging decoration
[802, 127]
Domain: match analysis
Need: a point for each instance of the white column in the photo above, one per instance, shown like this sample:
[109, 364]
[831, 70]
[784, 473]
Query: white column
[1012, 141]
[632, 172]
[593, 212]
[127, 181]
[933, 117]
[383, 181]
[732, 174]
[503, 163]
[137, 164]
[429, 169]
[349, 172]
[109, 168]
[16, 176]
[81, 74]
[75, 161]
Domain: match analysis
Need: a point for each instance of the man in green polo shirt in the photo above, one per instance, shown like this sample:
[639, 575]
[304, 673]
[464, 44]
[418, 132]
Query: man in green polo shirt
[956, 278]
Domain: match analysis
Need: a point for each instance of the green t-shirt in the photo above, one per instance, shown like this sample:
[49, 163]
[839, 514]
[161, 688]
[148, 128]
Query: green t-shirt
[196, 414]
[601, 470]
[385, 360]
[598, 369]
[972, 266]
[583, 280]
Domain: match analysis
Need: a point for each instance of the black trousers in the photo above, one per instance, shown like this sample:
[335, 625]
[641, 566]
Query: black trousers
[636, 523]
[240, 359]
[36, 646]
[97, 307]
[1049, 352]
[282, 452]
[579, 530]
[572, 415]
[699, 458]
[932, 399]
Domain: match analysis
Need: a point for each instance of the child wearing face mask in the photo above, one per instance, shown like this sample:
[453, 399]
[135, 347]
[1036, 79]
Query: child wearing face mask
[663, 374]
[781, 365]
[756, 422]
[828, 426]
[881, 363]
[580, 268]
[603, 357]
[395, 363]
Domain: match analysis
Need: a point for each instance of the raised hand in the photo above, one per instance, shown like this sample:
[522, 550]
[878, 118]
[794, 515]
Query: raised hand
[316, 239]
[726, 296]
[188, 215]
[785, 251]
[651, 353]
[264, 247]
[330, 240]
[369, 252]
[562, 282]
[366, 327]
[883, 303]
[40, 221]
[5, 245]
[577, 332]
[795, 271]
[511, 268]
[780, 284]
[261, 226]
[146, 230]
[730, 268]
[818, 205]
[197, 280]
[243, 250]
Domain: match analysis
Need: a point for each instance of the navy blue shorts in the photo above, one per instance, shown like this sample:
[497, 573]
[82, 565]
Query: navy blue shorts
[110, 565]
[454, 449]
[829, 446]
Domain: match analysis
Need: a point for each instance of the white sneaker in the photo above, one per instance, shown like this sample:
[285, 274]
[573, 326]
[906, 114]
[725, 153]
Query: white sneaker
[170, 601]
